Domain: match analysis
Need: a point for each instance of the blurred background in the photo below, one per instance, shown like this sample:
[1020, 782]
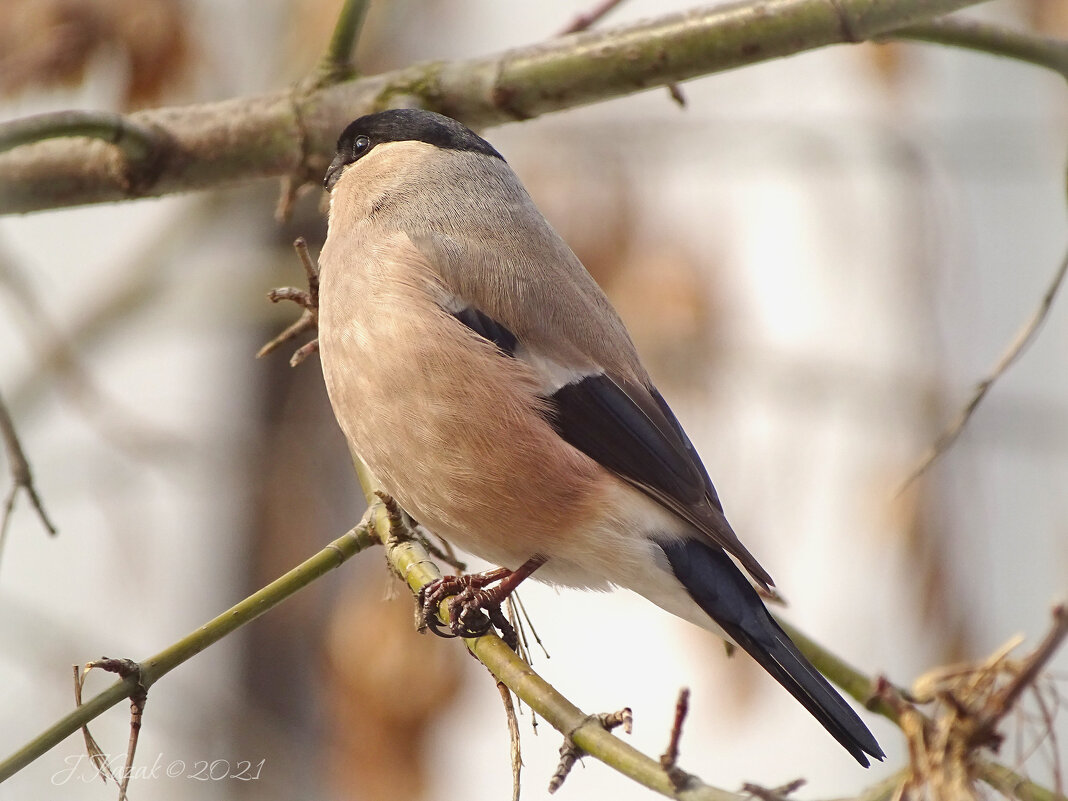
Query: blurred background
[818, 257]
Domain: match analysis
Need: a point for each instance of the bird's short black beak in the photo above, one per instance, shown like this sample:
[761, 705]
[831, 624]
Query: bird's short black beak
[333, 172]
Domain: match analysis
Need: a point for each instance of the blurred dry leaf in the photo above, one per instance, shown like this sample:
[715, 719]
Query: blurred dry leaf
[585, 191]
[44, 43]
[918, 518]
[659, 288]
[308, 29]
[387, 686]
[386, 40]
[1048, 18]
[888, 60]
[666, 301]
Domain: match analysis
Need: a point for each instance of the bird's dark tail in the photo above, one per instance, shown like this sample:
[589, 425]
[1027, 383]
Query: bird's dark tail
[721, 590]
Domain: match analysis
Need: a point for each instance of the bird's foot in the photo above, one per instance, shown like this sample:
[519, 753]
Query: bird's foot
[470, 596]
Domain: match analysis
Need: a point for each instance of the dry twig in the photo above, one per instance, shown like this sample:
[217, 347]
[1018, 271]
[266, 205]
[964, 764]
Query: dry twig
[1024, 337]
[945, 748]
[21, 475]
[589, 18]
[92, 748]
[773, 793]
[670, 757]
[1026, 675]
[441, 550]
[308, 301]
[513, 736]
[571, 753]
[124, 669]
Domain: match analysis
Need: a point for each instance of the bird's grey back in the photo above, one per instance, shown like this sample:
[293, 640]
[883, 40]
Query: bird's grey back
[474, 221]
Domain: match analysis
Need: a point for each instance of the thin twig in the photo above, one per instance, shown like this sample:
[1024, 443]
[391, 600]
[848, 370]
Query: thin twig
[513, 736]
[1048, 735]
[669, 759]
[21, 476]
[773, 793]
[442, 551]
[125, 669]
[96, 753]
[530, 624]
[522, 644]
[1024, 337]
[987, 37]
[589, 18]
[1007, 697]
[154, 668]
[336, 64]
[307, 300]
[570, 752]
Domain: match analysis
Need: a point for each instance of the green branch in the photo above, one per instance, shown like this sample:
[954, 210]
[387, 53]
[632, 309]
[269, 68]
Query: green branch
[156, 667]
[293, 132]
[336, 64]
[992, 39]
[1012, 785]
[412, 563]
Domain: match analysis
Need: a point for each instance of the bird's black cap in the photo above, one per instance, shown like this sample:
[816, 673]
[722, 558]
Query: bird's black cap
[403, 125]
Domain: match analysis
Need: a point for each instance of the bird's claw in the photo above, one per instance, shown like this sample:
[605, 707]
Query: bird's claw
[469, 598]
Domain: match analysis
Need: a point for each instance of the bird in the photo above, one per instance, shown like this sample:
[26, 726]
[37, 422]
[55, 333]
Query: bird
[491, 389]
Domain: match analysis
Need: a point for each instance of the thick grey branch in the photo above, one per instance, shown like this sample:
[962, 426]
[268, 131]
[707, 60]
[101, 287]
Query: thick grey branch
[136, 142]
[292, 133]
[132, 159]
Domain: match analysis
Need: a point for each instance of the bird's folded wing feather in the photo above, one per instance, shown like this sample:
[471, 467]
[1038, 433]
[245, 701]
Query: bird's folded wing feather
[598, 397]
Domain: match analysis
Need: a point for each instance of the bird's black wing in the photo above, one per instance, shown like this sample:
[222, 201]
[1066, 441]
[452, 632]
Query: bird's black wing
[628, 428]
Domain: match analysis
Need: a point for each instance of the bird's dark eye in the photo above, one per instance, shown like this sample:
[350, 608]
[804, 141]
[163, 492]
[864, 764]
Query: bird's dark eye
[360, 146]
